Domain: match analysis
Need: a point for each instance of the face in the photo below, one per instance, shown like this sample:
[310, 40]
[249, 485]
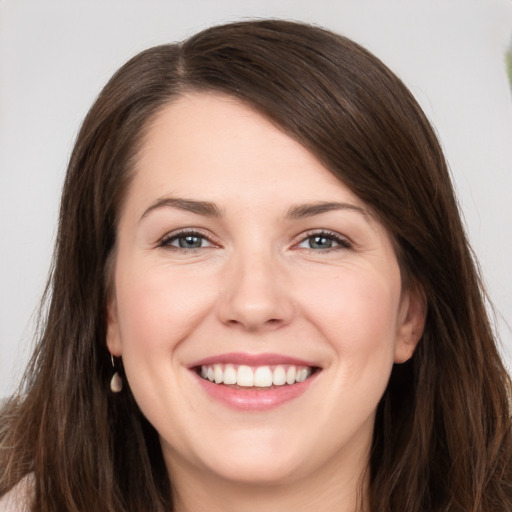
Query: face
[257, 303]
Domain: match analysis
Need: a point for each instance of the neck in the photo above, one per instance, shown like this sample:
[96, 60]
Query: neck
[327, 490]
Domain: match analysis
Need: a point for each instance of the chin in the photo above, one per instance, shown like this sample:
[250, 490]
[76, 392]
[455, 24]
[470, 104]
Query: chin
[257, 458]
[262, 472]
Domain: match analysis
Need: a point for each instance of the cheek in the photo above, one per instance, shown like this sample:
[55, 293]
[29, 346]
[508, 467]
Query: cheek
[357, 314]
[158, 308]
[355, 304]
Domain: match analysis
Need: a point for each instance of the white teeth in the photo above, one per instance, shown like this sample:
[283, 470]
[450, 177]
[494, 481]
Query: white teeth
[217, 372]
[245, 376]
[290, 375]
[229, 374]
[302, 375]
[261, 376]
[279, 376]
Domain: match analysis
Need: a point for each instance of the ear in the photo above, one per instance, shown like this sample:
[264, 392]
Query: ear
[411, 323]
[113, 334]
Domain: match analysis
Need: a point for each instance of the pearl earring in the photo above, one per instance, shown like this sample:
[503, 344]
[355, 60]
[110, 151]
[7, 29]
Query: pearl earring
[116, 382]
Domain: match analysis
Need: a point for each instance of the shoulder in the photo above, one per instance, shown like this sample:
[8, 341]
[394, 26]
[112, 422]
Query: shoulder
[19, 498]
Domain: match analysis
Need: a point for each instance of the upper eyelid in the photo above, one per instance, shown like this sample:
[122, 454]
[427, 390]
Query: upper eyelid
[325, 232]
[186, 231]
[212, 239]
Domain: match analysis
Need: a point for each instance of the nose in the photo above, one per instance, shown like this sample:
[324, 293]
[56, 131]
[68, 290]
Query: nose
[255, 294]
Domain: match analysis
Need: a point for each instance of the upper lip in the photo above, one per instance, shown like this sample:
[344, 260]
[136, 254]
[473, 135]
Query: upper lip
[240, 358]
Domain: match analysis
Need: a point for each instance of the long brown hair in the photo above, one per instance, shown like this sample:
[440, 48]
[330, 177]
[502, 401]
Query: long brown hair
[442, 440]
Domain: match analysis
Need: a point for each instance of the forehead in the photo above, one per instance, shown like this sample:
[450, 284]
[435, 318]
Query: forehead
[214, 144]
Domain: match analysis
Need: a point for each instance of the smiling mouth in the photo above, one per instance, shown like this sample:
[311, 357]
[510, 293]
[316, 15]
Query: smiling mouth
[256, 377]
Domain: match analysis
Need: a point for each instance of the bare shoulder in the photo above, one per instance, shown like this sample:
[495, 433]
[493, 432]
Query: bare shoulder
[19, 498]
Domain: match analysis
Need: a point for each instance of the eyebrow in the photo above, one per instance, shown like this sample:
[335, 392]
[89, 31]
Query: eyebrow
[199, 207]
[208, 209]
[309, 210]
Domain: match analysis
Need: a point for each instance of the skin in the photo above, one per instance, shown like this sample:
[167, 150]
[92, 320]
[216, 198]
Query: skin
[254, 285]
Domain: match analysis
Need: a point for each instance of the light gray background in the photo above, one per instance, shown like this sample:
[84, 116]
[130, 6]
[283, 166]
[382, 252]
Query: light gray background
[55, 57]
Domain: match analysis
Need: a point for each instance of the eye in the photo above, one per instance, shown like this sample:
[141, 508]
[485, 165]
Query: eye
[187, 240]
[324, 241]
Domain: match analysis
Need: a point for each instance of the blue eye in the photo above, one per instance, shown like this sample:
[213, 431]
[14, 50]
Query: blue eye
[186, 241]
[324, 241]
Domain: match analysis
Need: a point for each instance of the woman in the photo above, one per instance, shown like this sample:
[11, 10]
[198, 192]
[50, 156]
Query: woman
[262, 297]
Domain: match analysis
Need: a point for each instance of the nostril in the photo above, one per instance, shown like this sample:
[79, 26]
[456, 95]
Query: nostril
[253, 323]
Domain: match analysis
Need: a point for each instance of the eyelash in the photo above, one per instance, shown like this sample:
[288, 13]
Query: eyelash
[168, 239]
[342, 242]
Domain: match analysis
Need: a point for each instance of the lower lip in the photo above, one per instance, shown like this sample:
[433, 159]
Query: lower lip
[255, 399]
